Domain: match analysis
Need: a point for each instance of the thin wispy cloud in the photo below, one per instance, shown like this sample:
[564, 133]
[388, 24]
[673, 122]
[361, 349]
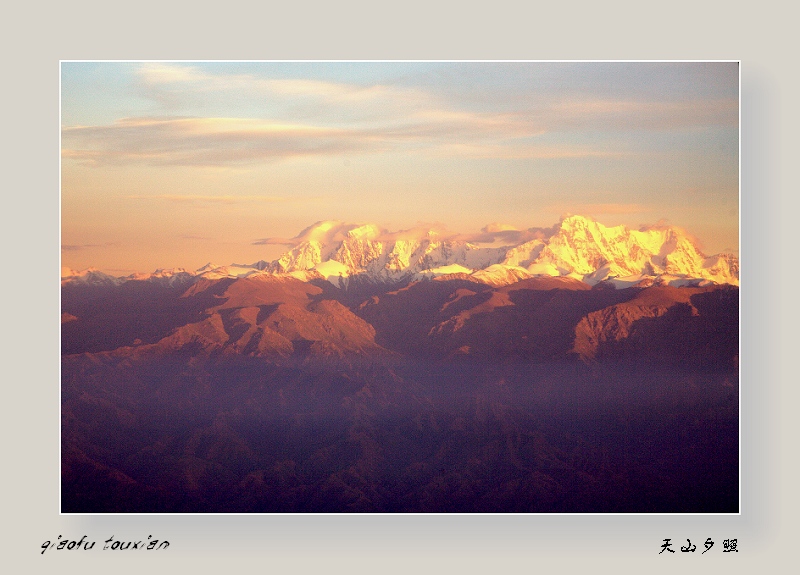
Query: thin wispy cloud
[78, 247]
[598, 208]
[183, 78]
[529, 151]
[328, 232]
[228, 199]
[505, 234]
[200, 141]
[174, 87]
[551, 110]
[626, 114]
[292, 242]
[75, 247]
[331, 90]
[236, 141]
[324, 118]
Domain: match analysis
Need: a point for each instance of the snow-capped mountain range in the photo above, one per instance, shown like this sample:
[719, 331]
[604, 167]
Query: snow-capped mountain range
[578, 247]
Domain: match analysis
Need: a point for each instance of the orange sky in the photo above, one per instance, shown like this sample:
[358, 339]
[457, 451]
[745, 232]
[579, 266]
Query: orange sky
[175, 165]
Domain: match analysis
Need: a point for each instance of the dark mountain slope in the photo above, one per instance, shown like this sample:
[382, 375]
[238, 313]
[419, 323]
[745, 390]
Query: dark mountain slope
[272, 395]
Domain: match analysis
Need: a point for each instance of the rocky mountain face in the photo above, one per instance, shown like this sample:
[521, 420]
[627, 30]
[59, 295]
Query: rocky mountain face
[536, 320]
[584, 247]
[580, 248]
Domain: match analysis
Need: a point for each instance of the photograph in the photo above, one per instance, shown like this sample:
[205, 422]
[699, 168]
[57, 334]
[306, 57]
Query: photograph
[399, 287]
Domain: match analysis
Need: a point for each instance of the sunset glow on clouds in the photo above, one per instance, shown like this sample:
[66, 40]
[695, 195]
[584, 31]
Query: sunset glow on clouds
[156, 154]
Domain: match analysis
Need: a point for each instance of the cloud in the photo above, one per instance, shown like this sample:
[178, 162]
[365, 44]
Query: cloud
[159, 79]
[328, 232]
[157, 73]
[523, 102]
[504, 234]
[275, 242]
[598, 208]
[329, 90]
[664, 224]
[177, 87]
[78, 247]
[324, 231]
[495, 228]
[242, 141]
[74, 247]
[201, 141]
[194, 198]
[324, 118]
[624, 114]
[510, 151]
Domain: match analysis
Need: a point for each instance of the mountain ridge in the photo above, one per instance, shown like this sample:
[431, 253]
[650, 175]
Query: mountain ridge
[578, 247]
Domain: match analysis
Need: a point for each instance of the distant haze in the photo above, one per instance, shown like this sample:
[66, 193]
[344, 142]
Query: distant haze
[177, 164]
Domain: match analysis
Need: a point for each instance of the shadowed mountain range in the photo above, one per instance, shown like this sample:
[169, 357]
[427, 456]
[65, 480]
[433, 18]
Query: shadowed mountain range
[270, 394]
[534, 320]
